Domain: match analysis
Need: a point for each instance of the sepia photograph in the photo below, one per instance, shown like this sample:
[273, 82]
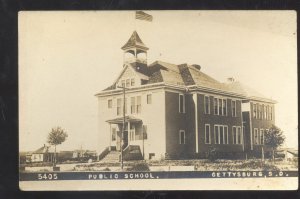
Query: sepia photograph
[158, 100]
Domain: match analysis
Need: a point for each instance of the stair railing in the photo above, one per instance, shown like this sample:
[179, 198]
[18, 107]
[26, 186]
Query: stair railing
[103, 153]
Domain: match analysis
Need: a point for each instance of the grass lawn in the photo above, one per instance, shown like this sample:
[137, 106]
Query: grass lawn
[200, 165]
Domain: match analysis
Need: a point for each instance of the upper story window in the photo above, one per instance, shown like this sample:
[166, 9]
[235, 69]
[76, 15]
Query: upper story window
[271, 113]
[264, 108]
[254, 110]
[149, 99]
[224, 107]
[181, 137]
[237, 135]
[132, 105]
[220, 106]
[109, 103]
[132, 82]
[262, 111]
[233, 108]
[127, 83]
[138, 104]
[259, 111]
[119, 105]
[181, 103]
[207, 134]
[221, 134]
[206, 105]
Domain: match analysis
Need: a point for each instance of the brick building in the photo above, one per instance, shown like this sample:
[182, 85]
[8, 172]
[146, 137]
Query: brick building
[177, 111]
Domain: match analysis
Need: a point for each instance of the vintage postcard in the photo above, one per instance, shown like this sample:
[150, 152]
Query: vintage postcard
[158, 100]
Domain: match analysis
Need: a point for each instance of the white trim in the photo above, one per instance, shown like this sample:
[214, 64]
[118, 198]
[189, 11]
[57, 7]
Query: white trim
[235, 115]
[219, 126]
[195, 99]
[237, 140]
[226, 134]
[205, 104]
[209, 136]
[250, 125]
[183, 103]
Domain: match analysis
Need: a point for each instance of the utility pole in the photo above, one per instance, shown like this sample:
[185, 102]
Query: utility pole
[123, 127]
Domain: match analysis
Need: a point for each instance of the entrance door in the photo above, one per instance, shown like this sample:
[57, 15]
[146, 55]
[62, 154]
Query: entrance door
[118, 146]
[125, 139]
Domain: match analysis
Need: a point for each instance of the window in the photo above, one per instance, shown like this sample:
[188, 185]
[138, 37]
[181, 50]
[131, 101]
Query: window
[254, 111]
[216, 106]
[220, 106]
[132, 105]
[113, 134]
[224, 107]
[145, 132]
[221, 134]
[206, 105]
[127, 82]
[181, 104]
[217, 140]
[237, 135]
[271, 113]
[233, 108]
[119, 105]
[267, 112]
[149, 99]
[225, 135]
[123, 83]
[256, 138]
[259, 111]
[132, 82]
[207, 134]
[109, 103]
[181, 137]
[138, 104]
[261, 136]
[132, 133]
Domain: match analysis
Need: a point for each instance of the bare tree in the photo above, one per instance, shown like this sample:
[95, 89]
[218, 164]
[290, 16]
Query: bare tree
[56, 137]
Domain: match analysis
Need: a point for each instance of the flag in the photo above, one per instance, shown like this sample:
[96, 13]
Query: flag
[143, 16]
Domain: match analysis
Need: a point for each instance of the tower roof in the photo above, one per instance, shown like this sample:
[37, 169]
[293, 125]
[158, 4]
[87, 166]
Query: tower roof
[135, 42]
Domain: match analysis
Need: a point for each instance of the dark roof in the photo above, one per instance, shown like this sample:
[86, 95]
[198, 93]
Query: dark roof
[134, 41]
[119, 120]
[188, 75]
[44, 149]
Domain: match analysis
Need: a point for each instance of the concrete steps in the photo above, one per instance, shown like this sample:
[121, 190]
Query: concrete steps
[112, 156]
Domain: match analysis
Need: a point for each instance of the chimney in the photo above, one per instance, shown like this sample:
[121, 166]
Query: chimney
[196, 66]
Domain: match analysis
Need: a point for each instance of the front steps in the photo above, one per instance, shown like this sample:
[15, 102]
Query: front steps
[131, 152]
[112, 156]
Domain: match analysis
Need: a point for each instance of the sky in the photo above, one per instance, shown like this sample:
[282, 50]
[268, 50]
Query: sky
[66, 57]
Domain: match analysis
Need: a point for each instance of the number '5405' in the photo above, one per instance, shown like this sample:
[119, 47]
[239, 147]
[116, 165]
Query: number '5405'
[47, 176]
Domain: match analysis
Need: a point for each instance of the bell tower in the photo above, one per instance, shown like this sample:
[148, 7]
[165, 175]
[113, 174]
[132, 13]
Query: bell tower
[135, 50]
